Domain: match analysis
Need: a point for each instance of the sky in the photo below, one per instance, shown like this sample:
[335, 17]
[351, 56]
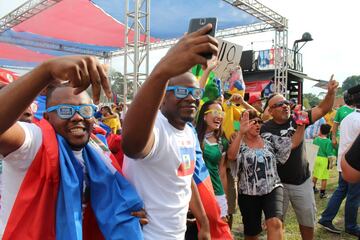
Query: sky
[332, 24]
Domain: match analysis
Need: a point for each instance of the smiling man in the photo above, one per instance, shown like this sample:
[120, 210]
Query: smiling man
[160, 147]
[295, 174]
[58, 182]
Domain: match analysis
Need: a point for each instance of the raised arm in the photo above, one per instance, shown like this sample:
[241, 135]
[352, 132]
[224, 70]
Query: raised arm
[238, 136]
[80, 71]
[327, 103]
[238, 99]
[204, 77]
[140, 118]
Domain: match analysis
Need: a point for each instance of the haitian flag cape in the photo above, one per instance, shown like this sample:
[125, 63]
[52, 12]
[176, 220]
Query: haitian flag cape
[40, 103]
[49, 206]
[219, 229]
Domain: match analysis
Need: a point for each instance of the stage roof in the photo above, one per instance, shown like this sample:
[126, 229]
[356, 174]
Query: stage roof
[99, 25]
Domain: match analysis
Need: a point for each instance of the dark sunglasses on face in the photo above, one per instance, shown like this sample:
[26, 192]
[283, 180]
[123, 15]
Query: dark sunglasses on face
[67, 111]
[257, 121]
[280, 104]
[182, 92]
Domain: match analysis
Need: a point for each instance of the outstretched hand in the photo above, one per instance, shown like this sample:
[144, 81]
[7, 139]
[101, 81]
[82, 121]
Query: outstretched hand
[186, 53]
[332, 85]
[212, 64]
[236, 98]
[81, 72]
[245, 124]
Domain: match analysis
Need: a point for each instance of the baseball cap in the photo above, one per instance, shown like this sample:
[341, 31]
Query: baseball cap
[254, 98]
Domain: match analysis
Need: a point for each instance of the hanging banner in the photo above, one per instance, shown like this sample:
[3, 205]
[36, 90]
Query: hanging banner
[228, 59]
[266, 59]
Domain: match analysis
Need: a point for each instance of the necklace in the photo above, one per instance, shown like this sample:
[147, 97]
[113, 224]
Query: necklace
[209, 134]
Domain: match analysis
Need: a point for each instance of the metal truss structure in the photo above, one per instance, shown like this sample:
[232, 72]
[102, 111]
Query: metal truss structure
[137, 44]
[24, 12]
[53, 46]
[28, 10]
[280, 25]
[230, 32]
[137, 22]
[271, 21]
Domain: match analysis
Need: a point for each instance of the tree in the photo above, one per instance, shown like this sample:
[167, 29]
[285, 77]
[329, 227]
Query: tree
[311, 99]
[350, 82]
[306, 103]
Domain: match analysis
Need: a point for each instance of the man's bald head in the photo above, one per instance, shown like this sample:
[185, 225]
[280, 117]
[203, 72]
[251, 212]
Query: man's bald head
[182, 79]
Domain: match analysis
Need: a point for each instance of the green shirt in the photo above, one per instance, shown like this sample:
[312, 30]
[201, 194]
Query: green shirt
[325, 147]
[212, 156]
[341, 113]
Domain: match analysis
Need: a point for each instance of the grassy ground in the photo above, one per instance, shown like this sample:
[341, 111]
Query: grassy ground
[292, 229]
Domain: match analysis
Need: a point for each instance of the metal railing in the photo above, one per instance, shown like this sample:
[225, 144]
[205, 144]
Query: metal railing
[265, 60]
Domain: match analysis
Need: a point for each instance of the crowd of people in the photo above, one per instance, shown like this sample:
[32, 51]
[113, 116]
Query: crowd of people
[175, 165]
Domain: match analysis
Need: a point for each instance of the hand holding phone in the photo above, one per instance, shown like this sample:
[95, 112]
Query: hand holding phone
[197, 23]
[301, 118]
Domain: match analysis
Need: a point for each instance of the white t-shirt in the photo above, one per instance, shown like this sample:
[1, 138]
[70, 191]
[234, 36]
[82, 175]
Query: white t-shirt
[163, 180]
[349, 130]
[15, 166]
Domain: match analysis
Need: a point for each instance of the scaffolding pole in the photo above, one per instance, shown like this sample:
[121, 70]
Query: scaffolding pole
[137, 45]
[24, 12]
[281, 66]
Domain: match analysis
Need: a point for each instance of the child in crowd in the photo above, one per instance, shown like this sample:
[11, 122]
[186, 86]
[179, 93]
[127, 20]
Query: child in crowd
[324, 159]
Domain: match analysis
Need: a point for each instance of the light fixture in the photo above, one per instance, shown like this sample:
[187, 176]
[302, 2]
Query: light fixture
[306, 37]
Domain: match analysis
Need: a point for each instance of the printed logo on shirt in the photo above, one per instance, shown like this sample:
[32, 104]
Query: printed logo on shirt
[187, 156]
[187, 164]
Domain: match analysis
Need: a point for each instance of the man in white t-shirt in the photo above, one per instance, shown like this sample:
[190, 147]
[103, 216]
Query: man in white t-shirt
[24, 146]
[160, 146]
[349, 130]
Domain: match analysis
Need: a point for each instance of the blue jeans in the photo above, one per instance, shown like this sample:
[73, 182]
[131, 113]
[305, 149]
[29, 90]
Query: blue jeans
[352, 194]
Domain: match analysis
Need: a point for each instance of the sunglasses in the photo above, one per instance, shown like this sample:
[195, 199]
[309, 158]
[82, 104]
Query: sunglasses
[216, 113]
[280, 104]
[257, 121]
[182, 92]
[67, 111]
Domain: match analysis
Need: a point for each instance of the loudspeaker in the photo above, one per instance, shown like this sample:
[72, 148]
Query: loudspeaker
[246, 60]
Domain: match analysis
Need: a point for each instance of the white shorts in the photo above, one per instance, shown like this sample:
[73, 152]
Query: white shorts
[221, 200]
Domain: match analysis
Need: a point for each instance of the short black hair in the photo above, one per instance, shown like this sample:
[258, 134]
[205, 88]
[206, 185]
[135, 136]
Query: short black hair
[325, 129]
[107, 108]
[50, 90]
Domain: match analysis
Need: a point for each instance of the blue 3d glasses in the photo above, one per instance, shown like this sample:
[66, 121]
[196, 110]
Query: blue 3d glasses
[67, 111]
[182, 92]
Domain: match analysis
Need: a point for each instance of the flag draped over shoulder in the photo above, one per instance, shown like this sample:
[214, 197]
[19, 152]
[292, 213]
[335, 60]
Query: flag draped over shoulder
[219, 229]
[49, 202]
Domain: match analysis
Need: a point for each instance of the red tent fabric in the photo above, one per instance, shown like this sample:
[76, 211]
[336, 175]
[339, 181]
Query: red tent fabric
[256, 86]
[77, 21]
[7, 76]
[14, 52]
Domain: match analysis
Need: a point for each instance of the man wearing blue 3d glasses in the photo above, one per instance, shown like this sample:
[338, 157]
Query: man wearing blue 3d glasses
[160, 145]
[59, 182]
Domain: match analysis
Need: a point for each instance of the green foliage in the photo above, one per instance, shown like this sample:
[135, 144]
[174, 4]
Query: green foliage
[350, 82]
[117, 85]
[311, 99]
[306, 103]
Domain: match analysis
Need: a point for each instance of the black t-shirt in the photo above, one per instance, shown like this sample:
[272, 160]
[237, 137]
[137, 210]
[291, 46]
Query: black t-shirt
[353, 155]
[296, 169]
